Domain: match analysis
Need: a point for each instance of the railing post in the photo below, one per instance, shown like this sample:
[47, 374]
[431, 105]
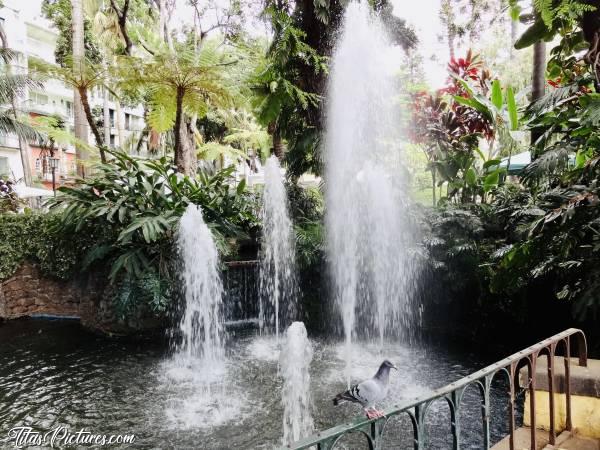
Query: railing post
[325, 445]
[420, 431]
[453, 393]
[375, 432]
[532, 383]
[454, 404]
[569, 421]
[485, 410]
[511, 420]
[552, 436]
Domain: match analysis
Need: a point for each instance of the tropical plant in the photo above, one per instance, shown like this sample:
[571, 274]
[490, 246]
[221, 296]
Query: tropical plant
[451, 124]
[82, 78]
[59, 12]
[139, 203]
[280, 103]
[9, 200]
[179, 82]
[12, 86]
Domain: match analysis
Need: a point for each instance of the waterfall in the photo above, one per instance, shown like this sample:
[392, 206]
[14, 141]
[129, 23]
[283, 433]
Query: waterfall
[295, 358]
[278, 285]
[369, 233]
[201, 325]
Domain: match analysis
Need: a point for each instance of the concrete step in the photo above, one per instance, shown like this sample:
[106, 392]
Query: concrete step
[565, 441]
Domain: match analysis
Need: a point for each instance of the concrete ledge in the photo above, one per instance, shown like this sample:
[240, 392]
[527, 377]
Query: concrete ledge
[585, 381]
[564, 441]
[585, 413]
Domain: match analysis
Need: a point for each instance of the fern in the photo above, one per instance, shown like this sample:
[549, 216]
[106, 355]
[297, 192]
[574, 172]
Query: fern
[565, 10]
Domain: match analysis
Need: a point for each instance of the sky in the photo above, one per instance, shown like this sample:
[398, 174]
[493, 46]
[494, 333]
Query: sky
[422, 15]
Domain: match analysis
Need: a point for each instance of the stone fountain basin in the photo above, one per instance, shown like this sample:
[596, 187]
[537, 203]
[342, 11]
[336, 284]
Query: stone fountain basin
[55, 373]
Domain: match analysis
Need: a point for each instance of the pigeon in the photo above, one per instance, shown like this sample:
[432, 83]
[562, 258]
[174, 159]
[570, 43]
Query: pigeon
[370, 391]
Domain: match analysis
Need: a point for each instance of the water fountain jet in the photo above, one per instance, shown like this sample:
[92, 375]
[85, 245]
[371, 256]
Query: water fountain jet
[295, 358]
[278, 284]
[368, 229]
[202, 322]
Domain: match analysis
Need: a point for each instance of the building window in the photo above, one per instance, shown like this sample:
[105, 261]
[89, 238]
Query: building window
[127, 121]
[4, 167]
[39, 99]
[69, 107]
[111, 113]
[112, 140]
[38, 165]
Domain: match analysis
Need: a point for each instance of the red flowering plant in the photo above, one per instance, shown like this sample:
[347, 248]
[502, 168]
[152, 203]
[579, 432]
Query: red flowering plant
[450, 122]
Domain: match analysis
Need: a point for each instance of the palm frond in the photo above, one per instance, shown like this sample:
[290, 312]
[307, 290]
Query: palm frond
[552, 161]
[11, 125]
[12, 86]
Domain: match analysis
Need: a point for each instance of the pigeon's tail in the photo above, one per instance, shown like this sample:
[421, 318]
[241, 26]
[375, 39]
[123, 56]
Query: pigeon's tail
[344, 397]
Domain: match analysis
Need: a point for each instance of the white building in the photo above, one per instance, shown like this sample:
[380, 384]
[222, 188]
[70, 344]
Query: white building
[34, 37]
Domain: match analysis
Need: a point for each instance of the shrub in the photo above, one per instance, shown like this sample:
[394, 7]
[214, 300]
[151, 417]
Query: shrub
[39, 239]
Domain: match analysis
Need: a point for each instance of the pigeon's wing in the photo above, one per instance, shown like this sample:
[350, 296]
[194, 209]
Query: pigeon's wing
[365, 393]
[371, 391]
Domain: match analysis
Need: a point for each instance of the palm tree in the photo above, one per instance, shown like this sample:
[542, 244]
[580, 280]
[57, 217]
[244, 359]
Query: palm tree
[78, 67]
[178, 83]
[279, 100]
[538, 82]
[12, 86]
[82, 77]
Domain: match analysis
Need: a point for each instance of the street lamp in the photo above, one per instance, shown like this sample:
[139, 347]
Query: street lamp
[53, 164]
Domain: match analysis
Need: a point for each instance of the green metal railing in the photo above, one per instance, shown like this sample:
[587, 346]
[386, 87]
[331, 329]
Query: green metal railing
[374, 430]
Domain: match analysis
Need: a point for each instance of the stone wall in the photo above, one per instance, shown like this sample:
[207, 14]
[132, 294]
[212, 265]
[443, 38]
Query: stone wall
[27, 293]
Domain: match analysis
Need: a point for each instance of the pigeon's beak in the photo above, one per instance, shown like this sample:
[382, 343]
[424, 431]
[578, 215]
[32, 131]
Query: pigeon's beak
[394, 367]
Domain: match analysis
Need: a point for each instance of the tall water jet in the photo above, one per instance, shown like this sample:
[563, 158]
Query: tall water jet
[278, 284]
[368, 227]
[202, 323]
[195, 375]
[295, 358]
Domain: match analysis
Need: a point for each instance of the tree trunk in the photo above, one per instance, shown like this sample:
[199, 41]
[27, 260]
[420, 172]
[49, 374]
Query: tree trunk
[538, 82]
[590, 25]
[122, 22]
[278, 145]
[119, 122]
[433, 183]
[106, 116]
[164, 24]
[81, 132]
[185, 158]
[90, 119]
[24, 150]
[178, 120]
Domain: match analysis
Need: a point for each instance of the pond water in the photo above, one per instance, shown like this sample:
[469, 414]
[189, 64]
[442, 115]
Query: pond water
[55, 373]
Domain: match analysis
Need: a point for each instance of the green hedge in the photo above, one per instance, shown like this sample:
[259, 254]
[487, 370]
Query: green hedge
[39, 239]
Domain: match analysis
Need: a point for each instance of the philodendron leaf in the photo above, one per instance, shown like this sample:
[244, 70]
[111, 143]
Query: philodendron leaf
[536, 32]
[491, 163]
[471, 177]
[497, 94]
[491, 181]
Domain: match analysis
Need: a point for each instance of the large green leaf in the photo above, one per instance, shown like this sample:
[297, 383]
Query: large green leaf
[471, 177]
[497, 94]
[511, 106]
[535, 33]
[491, 181]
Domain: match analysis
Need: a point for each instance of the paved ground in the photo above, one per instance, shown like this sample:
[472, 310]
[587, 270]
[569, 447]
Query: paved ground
[564, 442]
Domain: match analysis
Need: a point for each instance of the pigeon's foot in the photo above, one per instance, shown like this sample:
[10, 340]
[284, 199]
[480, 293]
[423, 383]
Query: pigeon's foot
[372, 413]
